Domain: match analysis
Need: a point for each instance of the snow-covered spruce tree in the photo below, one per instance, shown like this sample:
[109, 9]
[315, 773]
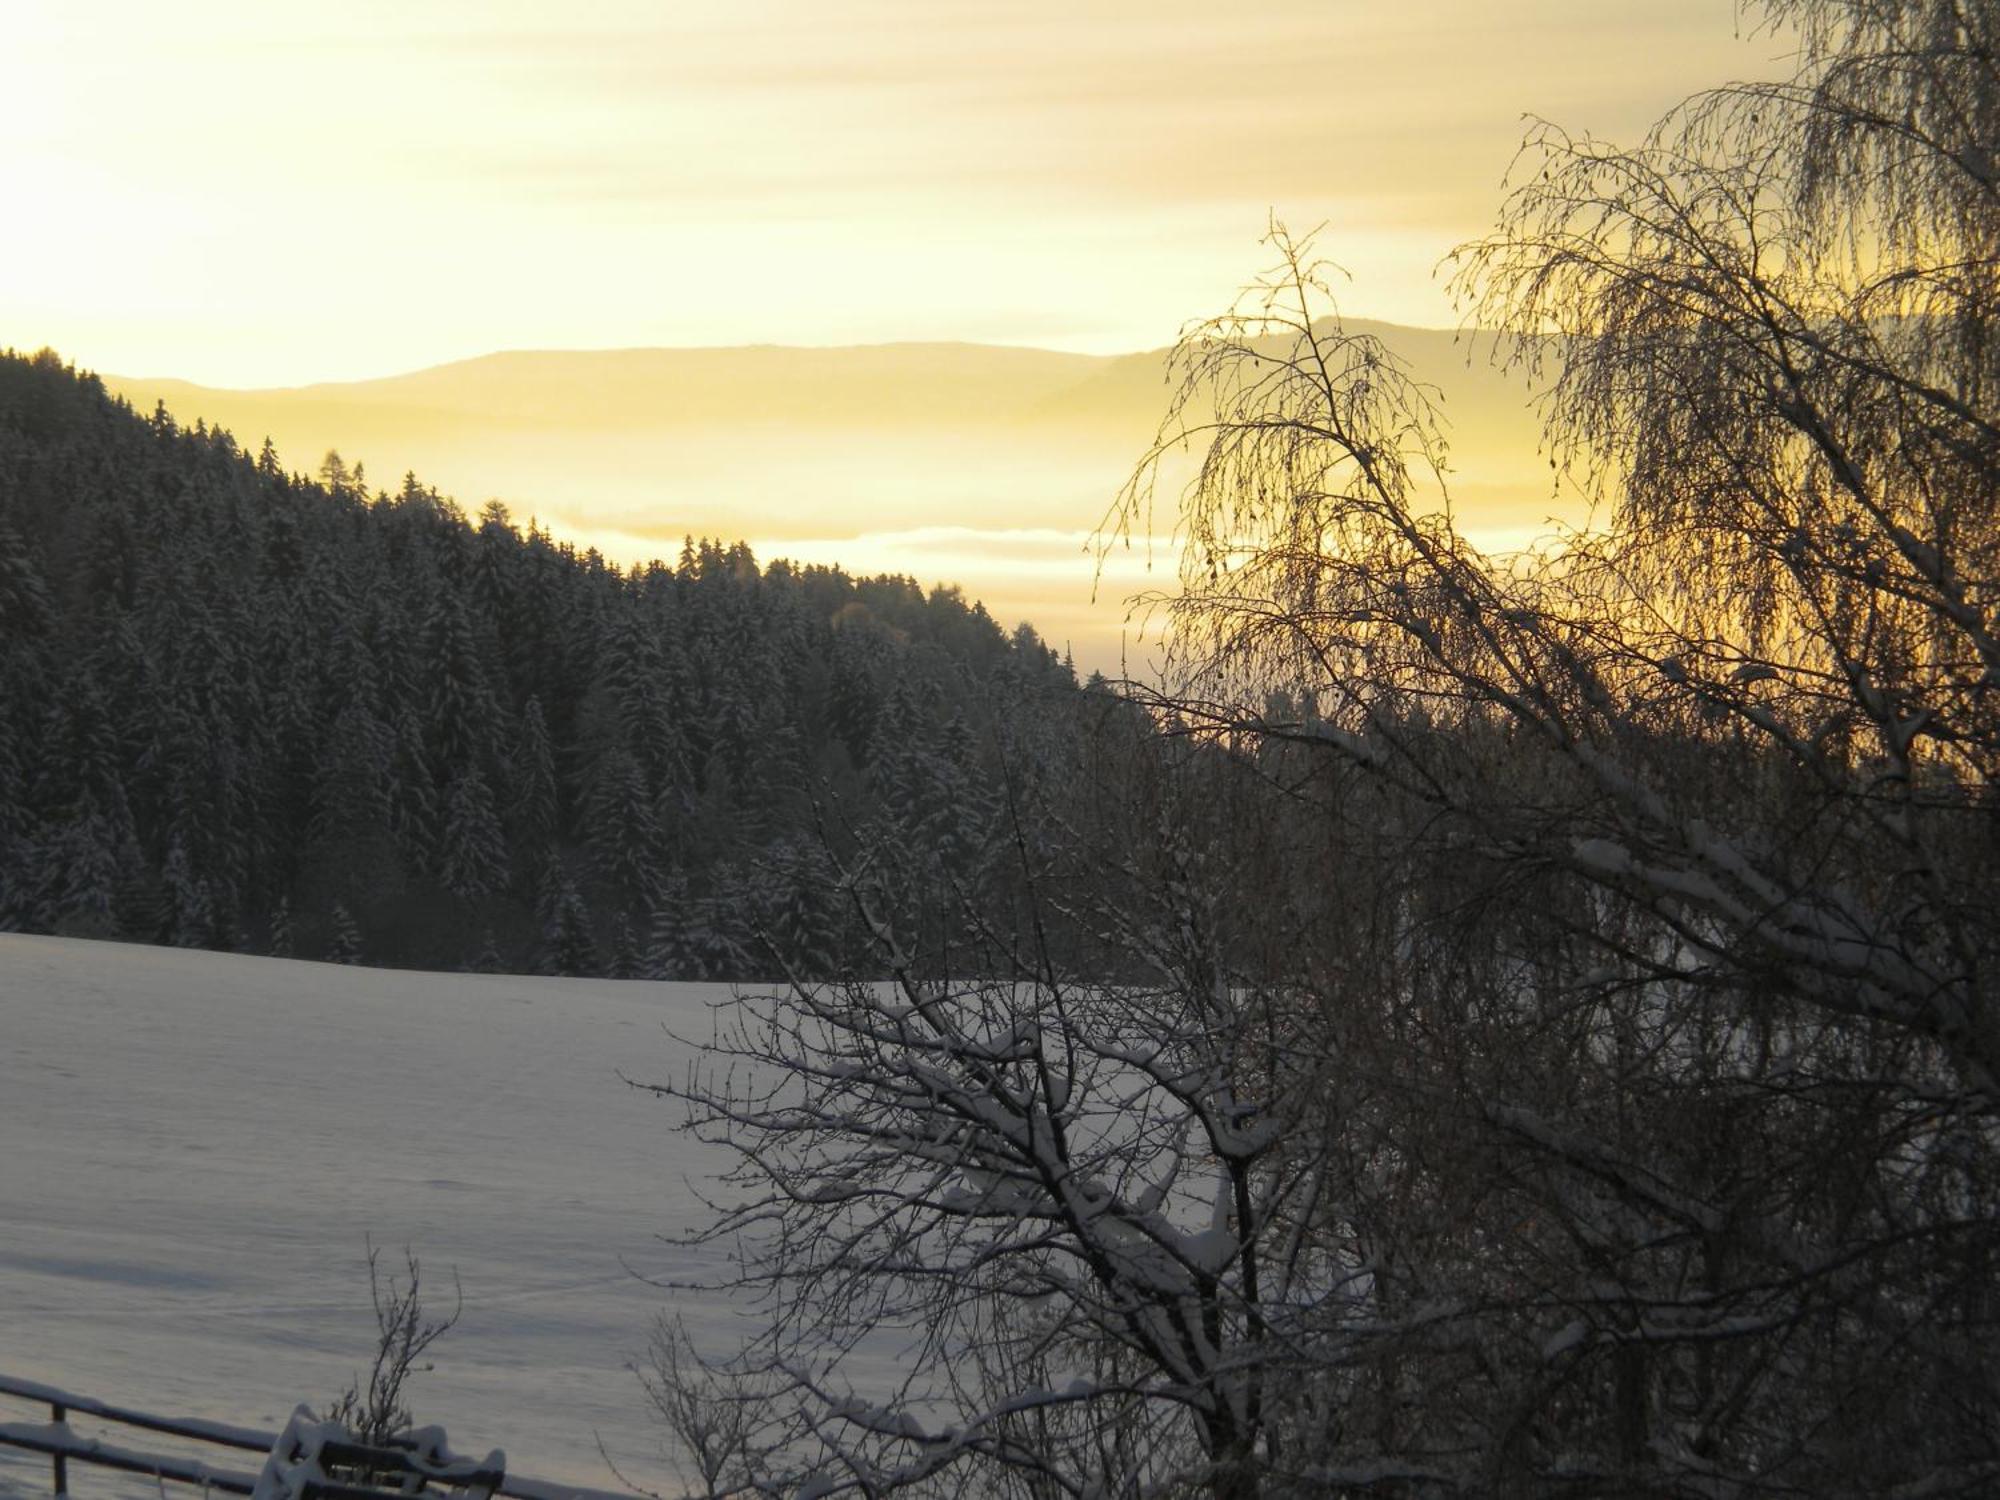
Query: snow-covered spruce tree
[414, 810]
[626, 849]
[472, 852]
[487, 959]
[26, 618]
[799, 914]
[669, 951]
[569, 946]
[937, 817]
[626, 960]
[343, 944]
[532, 779]
[637, 680]
[351, 841]
[187, 918]
[719, 939]
[87, 836]
[462, 719]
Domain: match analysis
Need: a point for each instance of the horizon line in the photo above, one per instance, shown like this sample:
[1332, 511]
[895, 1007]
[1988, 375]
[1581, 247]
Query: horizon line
[760, 345]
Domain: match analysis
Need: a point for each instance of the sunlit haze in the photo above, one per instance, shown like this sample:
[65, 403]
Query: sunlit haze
[256, 194]
[252, 195]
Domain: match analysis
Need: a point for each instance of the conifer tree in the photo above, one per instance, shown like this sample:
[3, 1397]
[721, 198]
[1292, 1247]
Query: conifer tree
[462, 716]
[719, 938]
[967, 806]
[636, 681]
[85, 869]
[668, 954]
[800, 931]
[413, 795]
[25, 617]
[712, 829]
[352, 828]
[625, 843]
[625, 957]
[333, 472]
[487, 959]
[532, 776]
[86, 827]
[568, 948]
[188, 920]
[344, 940]
[472, 857]
[774, 778]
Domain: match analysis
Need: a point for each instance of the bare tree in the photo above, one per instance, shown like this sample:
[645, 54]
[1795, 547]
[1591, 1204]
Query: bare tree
[378, 1408]
[1710, 779]
[1532, 1030]
[721, 1424]
[1070, 1204]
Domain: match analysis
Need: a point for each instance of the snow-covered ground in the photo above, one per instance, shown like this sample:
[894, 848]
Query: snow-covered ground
[193, 1147]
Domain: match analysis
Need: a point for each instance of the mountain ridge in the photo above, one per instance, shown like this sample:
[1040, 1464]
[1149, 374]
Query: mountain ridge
[1375, 326]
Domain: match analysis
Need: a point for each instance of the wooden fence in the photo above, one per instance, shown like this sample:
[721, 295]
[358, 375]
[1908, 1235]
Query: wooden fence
[62, 1444]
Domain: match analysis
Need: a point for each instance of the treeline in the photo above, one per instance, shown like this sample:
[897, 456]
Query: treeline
[247, 710]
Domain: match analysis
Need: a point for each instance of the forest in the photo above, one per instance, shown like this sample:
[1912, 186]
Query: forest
[1472, 1025]
[257, 712]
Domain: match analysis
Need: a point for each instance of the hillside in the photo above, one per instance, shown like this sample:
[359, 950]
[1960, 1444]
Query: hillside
[250, 711]
[198, 1145]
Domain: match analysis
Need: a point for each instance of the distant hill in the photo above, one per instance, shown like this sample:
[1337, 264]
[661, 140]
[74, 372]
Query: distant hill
[979, 464]
[670, 388]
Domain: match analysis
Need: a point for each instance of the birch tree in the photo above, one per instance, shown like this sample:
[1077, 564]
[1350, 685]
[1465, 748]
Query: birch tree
[1717, 763]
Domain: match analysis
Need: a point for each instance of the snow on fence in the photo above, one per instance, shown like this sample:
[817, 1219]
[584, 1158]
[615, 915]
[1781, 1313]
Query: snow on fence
[57, 1439]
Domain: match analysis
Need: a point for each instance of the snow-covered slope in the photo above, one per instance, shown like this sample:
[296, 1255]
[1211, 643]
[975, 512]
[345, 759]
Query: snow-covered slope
[193, 1147]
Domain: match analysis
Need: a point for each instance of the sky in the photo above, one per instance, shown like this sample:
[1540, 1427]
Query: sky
[263, 192]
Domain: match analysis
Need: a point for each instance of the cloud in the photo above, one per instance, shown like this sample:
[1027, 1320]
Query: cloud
[420, 180]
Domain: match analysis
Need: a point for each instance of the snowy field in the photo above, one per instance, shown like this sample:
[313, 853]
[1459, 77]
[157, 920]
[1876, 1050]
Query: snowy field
[193, 1147]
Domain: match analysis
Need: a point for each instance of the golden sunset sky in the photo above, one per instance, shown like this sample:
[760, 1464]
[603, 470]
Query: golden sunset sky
[253, 193]
[262, 192]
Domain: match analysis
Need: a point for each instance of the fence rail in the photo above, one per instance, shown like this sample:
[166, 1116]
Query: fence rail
[62, 1444]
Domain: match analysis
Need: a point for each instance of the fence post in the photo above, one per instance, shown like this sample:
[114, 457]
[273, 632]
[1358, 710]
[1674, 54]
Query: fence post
[57, 1412]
